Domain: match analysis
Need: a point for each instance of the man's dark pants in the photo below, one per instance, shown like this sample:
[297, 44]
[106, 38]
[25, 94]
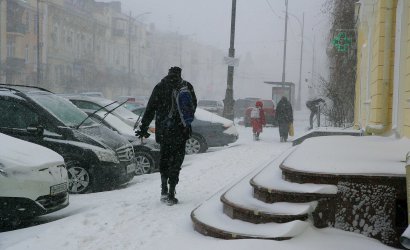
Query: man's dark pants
[171, 159]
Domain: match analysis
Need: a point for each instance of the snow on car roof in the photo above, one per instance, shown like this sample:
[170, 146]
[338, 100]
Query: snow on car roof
[15, 152]
[204, 115]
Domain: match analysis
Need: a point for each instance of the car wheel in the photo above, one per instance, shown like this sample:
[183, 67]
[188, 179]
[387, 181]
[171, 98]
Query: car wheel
[195, 145]
[79, 178]
[144, 163]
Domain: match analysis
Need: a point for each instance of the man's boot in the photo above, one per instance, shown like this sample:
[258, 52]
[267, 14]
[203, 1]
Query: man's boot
[164, 189]
[171, 195]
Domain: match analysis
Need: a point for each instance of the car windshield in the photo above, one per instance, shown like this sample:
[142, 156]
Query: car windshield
[62, 109]
[139, 111]
[207, 103]
[131, 105]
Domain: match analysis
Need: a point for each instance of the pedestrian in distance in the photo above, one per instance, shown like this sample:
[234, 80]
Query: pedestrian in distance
[313, 106]
[257, 119]
[173, 103]
[284, 116]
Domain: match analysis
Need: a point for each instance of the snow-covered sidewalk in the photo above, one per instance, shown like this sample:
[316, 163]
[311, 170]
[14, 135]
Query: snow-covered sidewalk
[134, 218]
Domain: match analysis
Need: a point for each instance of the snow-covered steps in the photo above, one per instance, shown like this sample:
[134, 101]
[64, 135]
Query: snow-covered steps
[235, 213]
[238, 203]
[269, 186]
[325, 131]
[209, 220]
[238, 213]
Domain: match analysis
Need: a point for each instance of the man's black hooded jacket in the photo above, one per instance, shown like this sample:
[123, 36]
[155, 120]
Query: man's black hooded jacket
[159, 106]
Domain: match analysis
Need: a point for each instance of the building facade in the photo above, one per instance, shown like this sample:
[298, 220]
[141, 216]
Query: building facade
[94, 46]
[382, 103]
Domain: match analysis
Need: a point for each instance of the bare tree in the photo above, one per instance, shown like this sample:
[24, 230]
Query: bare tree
[340, 88]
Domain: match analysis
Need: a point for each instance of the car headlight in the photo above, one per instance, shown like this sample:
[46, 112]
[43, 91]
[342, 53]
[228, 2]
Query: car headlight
[3, 170]
[106, 156]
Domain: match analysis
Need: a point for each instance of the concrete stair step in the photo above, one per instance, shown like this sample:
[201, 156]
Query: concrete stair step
[239, 203]
[235, 214]
[210, 220]
[269, 186]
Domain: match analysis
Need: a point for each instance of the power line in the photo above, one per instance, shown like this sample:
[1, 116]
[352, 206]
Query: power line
[271, 8]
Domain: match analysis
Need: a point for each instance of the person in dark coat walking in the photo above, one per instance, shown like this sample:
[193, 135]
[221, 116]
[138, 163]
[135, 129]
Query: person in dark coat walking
[284, 116]
[313, 106]
[170, 132]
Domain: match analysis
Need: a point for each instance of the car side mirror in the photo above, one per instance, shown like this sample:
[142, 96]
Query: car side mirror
[36, 130]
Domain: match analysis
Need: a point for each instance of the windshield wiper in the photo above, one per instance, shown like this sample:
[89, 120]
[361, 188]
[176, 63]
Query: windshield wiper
[109, 112]
[138, 121]
[93, 113]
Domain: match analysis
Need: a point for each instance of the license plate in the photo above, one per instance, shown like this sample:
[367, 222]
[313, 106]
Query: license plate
[59, 188]
[130, 168]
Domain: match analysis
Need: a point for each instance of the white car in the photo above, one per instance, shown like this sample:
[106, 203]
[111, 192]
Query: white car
[33, 180]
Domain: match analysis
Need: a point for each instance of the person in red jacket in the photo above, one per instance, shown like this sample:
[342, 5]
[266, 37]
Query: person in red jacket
[257, 120]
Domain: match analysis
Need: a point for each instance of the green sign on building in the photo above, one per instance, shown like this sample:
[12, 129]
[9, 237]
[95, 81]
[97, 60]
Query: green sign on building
[341, 42]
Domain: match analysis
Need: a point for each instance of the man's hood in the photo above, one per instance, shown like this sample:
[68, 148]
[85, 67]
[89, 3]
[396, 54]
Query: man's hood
[172, 79]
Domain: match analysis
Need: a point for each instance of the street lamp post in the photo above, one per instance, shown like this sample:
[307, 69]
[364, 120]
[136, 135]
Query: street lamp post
[298, 101]
[38, 42]
[284, 44]
[1, 45]
[302, 27]
[228, 101]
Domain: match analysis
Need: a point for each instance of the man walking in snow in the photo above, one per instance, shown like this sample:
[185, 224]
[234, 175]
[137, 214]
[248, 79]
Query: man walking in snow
[170, 132]
[284, 115]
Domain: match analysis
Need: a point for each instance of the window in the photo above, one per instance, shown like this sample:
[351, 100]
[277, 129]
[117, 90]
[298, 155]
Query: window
[11, 46]
[17, 115]
[54, 36]
[26, 54]
[28, 21]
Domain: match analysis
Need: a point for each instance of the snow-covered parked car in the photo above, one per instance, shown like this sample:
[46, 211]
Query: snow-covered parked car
[146, 151]
[96, 103]
[33, 180]
[96, 157]
[208, 130]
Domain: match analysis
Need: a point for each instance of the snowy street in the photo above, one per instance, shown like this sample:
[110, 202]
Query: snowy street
[134, 218]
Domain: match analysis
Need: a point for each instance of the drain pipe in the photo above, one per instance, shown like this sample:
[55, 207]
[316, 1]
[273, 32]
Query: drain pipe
[381, 127]
[405, 237]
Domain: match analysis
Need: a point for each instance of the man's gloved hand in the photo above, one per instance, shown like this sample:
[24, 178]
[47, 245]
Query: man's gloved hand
[142, 132]
[188, 131]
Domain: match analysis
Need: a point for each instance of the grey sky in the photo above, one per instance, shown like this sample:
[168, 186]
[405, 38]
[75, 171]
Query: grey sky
[259, 32]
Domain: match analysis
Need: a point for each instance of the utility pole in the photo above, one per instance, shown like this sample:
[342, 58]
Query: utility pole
[129, 53]
[312, 86]
[38, 43]
[1, 45]
[284, 44]
[228, 101]
[298, 101]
